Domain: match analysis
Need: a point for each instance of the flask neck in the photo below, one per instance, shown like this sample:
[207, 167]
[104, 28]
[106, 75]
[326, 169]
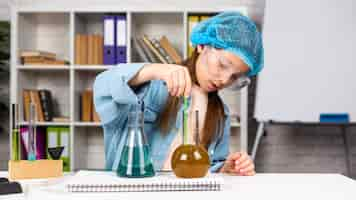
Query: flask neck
[135, 119]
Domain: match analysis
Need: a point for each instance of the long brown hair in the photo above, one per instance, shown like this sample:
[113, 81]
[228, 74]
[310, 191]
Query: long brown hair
[214, 117]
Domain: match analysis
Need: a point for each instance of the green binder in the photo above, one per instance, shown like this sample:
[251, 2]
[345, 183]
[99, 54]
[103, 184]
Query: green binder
[59, 136]
[64, 140]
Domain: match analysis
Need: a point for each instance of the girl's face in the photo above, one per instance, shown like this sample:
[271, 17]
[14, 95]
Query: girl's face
[218, 68]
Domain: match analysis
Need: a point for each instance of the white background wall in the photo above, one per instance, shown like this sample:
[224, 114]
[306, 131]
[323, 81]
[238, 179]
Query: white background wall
[4, 10]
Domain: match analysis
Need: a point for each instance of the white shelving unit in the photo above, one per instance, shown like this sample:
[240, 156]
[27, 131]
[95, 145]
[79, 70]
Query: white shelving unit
[51, 28]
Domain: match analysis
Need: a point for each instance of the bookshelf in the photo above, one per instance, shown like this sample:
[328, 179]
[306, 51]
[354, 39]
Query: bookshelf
[53, 29]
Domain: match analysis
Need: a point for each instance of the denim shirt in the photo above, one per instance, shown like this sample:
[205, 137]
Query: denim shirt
[113, 99]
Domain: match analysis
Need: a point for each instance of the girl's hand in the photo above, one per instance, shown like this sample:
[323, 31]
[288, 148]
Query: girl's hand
[177, 79]
[239, 163]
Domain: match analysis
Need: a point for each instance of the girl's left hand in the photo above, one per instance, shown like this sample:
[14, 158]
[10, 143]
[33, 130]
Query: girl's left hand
[239, 163]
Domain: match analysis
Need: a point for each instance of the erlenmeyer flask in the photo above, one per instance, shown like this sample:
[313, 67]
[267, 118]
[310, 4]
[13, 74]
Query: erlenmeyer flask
[135, 158]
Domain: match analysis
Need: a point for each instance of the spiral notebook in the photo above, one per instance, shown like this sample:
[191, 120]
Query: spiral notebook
[104, 181]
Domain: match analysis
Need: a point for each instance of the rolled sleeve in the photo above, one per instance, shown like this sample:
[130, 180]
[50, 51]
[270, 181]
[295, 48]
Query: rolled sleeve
[216, 166]
[111, 90]
[119, 88]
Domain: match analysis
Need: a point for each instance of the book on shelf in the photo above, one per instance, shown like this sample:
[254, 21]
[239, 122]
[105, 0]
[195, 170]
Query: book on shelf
[83, 49]
[26, 104]
[88, 49]
[146, 49]
[43, 103]
[86, 105]
[36, 59]
[87, 108]
[41, 58]
[95, 115]
[192, 22]
[46, 62]
[61, 119]
[163, 52]
[204, 17]
[77, 42]
[140, 51]
[35, 99]
[91, 49]
[98, 53]
[47, 104]
[171, 51]
[155, 51]
[37, 53]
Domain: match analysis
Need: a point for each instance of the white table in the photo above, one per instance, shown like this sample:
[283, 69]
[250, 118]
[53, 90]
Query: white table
[261, 186]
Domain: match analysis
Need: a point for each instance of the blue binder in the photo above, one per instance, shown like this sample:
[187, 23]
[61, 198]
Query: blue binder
[109, 53]
[121, 39]
[334, 118]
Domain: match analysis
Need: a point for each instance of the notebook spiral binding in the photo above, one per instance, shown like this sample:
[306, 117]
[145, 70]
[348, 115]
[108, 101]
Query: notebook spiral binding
[176, 185]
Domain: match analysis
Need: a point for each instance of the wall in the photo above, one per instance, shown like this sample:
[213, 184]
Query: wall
[4, 10]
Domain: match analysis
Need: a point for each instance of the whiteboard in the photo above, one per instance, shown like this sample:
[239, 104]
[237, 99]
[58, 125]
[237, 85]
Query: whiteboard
[310, 60]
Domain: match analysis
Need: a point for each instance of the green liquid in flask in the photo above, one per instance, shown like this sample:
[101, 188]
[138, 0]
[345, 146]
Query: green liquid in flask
[135, 159]
[135, 162]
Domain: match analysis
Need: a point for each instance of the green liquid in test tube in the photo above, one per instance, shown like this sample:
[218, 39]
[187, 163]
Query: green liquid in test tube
[185, 120]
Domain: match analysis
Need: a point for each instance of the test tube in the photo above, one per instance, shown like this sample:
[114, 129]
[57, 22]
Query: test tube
[31, 155]
[15, 133]
[185, 120]
[197, 127]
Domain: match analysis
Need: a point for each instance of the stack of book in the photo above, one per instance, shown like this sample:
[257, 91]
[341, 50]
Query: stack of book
[87, 109]
[89, 49]
[44, 105]
[35, 57]
[156, 50]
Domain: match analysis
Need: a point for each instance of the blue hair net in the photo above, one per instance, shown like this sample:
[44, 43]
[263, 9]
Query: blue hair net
[235, 33]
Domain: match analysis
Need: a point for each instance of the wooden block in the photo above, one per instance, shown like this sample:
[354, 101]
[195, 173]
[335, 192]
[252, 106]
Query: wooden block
[24, 169]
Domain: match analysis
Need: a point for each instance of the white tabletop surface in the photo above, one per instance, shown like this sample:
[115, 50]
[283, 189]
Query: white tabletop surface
[260, 186]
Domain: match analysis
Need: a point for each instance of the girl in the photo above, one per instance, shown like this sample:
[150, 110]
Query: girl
[228, 49]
